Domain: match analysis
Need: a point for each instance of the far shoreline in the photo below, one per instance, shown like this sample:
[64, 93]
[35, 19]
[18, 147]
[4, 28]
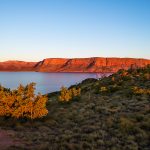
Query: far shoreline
[57, 72]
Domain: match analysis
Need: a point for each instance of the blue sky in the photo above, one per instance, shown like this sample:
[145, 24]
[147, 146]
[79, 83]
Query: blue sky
[35, 29]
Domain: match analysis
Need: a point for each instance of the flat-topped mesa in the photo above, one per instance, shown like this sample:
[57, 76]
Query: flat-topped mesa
[94, 64]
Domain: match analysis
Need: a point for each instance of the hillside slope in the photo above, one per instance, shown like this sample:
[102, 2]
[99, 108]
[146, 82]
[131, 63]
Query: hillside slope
[17, 66]
[112, 113]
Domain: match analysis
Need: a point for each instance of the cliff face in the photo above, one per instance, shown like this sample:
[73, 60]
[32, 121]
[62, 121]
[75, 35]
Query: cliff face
[51, 64]
[95, 64]
[89, 64]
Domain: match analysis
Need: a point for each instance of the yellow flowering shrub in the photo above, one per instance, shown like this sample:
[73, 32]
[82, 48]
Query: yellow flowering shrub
[23, 103]
[137, 90]
[103, 89]
[68, 94]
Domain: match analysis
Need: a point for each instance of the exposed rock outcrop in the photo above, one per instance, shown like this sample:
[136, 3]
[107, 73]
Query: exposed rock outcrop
[94, 64]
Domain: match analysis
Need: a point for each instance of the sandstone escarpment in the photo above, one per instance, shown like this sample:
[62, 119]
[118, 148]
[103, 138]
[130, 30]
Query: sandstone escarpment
[94, 64]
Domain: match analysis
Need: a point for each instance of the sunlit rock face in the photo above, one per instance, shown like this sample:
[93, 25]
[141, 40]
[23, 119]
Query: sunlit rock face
[17, 66]
[94, 64]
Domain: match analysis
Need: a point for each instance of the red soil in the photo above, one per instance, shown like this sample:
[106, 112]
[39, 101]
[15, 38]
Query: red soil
[6, 141]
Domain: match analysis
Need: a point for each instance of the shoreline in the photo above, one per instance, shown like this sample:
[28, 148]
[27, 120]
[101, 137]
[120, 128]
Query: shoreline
[57, 72]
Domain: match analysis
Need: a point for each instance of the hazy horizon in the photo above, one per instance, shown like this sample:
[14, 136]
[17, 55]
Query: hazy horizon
[32, 30]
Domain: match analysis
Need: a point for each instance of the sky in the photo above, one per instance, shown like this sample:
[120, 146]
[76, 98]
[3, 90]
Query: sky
[32, 30]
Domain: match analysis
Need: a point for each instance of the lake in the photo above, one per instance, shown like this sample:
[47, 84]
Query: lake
[45, 82]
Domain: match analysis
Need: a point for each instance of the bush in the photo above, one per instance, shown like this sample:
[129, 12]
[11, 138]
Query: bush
[103, 89]
[147, 76]
[114, 88]
[69, 94]
[139, 91]
[22, 103]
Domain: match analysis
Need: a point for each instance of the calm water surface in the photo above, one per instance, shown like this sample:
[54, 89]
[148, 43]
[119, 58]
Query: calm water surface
[45, 82]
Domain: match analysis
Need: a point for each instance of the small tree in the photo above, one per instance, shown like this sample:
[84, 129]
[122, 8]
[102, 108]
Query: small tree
[38, 107]
[65, 95]
[68, 94]
[23, 103]
[6, 102]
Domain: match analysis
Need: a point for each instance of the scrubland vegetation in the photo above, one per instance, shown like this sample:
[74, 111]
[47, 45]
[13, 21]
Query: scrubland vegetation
[112, 113]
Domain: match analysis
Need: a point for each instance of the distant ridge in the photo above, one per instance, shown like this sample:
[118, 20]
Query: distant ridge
[93, 64]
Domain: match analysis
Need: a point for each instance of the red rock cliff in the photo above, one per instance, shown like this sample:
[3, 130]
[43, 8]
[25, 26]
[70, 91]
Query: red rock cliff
[17, 66]
[95, 64]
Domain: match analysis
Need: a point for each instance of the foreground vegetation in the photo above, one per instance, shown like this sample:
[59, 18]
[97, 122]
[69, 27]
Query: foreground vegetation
[112, 113]
[22, 103]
